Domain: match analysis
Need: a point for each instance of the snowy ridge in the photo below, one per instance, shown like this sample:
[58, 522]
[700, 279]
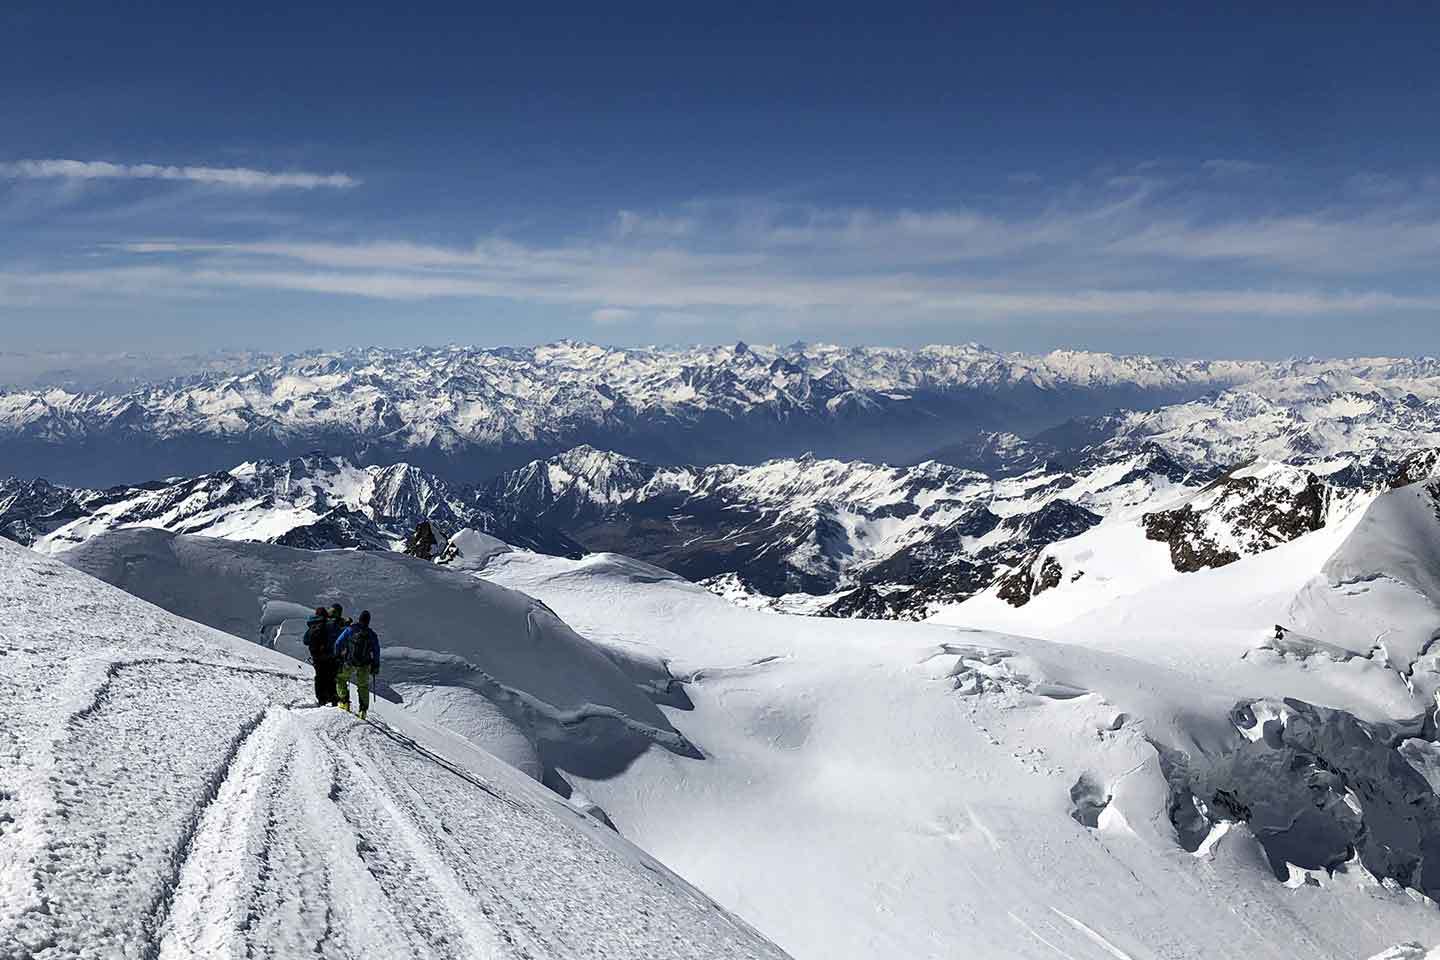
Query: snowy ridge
[444, 634]
[858, 790]
[144, 820]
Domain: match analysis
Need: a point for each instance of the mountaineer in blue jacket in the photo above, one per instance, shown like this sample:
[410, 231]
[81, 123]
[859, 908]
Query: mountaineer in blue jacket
[357, 652]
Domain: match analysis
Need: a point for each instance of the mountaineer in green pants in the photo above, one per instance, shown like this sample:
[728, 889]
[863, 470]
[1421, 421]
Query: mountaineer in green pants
[357, 652]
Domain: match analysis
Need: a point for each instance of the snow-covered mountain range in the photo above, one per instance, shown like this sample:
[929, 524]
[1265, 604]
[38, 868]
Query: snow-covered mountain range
[842, 538]
[1170, 780]
[1174, 696]
[816, 526]
[465, 413]
[315, 502]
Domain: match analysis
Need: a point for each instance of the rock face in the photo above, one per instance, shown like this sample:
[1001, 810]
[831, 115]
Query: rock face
[1028, 582]
[862, 603]
[1245, 512]
[30, 509]
[1015, 545]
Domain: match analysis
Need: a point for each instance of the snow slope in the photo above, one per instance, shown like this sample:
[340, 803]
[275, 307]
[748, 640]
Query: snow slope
[446, 638]
[167, 791]
[884, 789]
[1166, 781]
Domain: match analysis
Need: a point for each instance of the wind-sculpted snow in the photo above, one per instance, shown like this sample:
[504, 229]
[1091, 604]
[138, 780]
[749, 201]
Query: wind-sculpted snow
[1320, 787]
[1380, 590]
[911, 790]
[167, 792]
[439, 629]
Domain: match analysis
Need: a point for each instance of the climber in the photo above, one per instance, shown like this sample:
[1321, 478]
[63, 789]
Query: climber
[357, 653]
[319, 641]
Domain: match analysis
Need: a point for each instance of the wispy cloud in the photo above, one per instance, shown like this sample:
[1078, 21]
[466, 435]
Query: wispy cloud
[1124, 248]
[243, 178]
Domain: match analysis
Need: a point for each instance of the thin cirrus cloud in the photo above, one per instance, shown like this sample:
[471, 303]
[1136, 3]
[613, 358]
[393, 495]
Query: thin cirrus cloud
[243, 178]
[621, 286]
[1130, 250]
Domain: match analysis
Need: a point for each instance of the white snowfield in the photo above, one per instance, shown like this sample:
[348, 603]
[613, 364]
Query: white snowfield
[169, 791]
[882, 789]
[1162, 779]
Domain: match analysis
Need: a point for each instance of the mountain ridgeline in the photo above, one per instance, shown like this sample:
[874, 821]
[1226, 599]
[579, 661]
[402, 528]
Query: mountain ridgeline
[859, 539]
[465, 413]
[1250, 455]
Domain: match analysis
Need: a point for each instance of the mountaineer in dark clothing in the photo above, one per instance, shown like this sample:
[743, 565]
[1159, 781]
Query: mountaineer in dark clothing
[357, 652]
[319, 641]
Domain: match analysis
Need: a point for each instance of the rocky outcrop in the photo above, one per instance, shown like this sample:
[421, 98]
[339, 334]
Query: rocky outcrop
[1246, 511]
[862, 603]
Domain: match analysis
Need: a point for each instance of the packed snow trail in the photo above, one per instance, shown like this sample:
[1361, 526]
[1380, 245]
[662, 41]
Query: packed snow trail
[169, 792]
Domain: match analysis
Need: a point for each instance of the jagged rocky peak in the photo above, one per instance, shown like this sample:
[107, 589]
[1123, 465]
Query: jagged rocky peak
[30, 509]
[1246, 511]
[1058, 519]
[405, 492]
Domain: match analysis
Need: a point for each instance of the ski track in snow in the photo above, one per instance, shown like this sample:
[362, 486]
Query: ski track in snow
[166, 794]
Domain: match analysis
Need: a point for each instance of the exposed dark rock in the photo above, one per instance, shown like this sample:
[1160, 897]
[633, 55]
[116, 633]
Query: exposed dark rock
[340, 529]
[1421, 465]
[1026, 583]
[862, 603]
[1252, 514]
[421, 543]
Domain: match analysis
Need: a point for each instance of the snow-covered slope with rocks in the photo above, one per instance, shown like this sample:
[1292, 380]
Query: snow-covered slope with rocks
[1161, 777]
[1166, 789]
[168, 791]
[464, 411]
[315, 502]
[933, 531]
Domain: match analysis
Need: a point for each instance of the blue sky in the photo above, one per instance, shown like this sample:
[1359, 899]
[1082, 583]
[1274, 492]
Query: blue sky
[1193, 181]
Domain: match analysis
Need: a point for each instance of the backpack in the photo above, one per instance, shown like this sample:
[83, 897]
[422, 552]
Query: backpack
[317, 636]
[359, 647]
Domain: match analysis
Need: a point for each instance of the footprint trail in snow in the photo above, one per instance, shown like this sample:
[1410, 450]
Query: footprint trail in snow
[168, 792]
